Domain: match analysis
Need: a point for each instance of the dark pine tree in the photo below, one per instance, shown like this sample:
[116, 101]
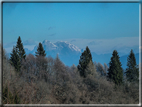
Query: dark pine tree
[40, 51]
[85, 58]
[20, 49]
[115, 71]
[15, 60]
[132, 71]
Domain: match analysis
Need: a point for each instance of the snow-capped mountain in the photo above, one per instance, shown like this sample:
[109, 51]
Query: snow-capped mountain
[60, 47]
[48, 46]
[66, 45]
[67, 52]
[70, 54]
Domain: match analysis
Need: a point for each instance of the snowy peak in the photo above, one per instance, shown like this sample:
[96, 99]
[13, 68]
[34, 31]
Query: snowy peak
[60, 46]
[48, 45]
[46, 42]
[65, 44]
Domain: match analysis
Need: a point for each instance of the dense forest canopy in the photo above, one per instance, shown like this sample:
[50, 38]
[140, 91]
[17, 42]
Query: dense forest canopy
[29, 79]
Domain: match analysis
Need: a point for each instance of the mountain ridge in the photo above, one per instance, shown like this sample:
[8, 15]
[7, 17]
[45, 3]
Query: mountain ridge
[70, 54]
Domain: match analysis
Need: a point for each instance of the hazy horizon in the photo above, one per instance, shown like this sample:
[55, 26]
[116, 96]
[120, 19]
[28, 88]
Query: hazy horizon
[101, 26]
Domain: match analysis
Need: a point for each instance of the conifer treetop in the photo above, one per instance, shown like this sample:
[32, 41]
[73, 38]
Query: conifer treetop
[14, 59]
[85, 59]
[40, 50]
[132, 70]
[115, 71]
[20, 48]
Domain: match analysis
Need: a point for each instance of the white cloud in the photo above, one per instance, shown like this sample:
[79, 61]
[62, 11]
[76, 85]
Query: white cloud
[9, 49]
[7, 45]
[30, 47]
[29, 42]
[100, 46]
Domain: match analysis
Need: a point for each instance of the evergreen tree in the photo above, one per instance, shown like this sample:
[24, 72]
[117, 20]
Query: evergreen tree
[90, 70]
[85, 58]
[20, 49]
[14, 59]
[40, 51]
[8, 98]
[115, 71]
[132, 71]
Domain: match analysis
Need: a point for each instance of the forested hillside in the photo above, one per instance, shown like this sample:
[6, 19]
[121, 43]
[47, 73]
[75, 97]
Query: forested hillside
[29, 79]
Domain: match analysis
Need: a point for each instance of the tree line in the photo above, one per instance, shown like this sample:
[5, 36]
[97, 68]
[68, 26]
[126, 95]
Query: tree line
[115, 71]
[39, 67]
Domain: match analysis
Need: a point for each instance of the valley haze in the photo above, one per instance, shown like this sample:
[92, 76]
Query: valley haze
[70, 54]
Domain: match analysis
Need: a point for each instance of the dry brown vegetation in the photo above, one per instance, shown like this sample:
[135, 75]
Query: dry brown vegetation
[48, 81]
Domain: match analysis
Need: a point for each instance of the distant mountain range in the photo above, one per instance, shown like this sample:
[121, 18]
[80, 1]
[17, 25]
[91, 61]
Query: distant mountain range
[70, 54]
[123, 60]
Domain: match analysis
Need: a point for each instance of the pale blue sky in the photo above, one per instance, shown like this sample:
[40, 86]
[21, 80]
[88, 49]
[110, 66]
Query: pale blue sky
[70, 21]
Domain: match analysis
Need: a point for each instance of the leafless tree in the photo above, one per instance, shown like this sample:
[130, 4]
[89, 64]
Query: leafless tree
[101, 69]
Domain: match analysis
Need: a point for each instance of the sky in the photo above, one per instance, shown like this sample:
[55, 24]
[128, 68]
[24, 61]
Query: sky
[101, 26]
